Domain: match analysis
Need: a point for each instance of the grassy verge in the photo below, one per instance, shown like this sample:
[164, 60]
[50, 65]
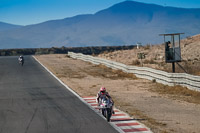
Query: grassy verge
[105, 72]
[177, 92]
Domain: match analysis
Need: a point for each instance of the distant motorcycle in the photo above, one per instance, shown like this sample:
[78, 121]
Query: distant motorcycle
[106, 108]
[21, 60]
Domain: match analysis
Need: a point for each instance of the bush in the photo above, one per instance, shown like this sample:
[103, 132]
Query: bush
[135, 62]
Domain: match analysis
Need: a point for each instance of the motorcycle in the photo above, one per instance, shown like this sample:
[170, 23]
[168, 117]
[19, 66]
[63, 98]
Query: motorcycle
[106, 108]
[21, 62]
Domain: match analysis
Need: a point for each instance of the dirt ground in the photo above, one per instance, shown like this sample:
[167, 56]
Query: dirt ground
[140, 98]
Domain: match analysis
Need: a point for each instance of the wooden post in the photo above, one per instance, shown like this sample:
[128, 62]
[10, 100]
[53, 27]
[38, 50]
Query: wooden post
[173, 67]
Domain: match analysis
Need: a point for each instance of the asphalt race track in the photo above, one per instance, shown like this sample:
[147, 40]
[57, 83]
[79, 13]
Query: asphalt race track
[33, 101]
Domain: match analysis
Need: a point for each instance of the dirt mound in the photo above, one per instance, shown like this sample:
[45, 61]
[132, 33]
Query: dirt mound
[191, 48]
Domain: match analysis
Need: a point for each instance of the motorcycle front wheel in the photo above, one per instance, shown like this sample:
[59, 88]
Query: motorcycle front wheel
[103, 112]
[108, 115]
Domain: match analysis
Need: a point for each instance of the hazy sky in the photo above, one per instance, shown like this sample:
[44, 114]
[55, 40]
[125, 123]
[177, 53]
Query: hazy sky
[25, 12]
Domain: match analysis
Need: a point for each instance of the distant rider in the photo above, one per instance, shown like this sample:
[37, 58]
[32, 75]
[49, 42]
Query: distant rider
[21, 59]
[103, 93]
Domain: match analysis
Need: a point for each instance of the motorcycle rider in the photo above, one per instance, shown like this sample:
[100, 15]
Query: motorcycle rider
[21, 59]
[103, 93]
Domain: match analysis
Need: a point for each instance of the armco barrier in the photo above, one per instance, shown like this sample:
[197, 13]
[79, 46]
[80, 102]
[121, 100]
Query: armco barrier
[171, 79]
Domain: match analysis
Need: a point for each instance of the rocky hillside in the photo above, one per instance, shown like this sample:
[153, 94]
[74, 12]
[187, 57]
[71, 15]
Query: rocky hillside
[190, 52]
[191, 48]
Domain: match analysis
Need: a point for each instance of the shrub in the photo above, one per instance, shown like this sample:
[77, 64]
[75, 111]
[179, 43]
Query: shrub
[135, 62]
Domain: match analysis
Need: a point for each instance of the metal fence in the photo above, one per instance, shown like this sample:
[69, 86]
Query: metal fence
[171, 79]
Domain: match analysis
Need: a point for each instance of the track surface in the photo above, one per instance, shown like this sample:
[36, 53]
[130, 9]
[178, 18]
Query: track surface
[32, 101]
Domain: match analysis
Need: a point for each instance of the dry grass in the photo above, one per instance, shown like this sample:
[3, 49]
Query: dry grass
[151, 61]
[135, 62]
[105, 72]
[177, 92]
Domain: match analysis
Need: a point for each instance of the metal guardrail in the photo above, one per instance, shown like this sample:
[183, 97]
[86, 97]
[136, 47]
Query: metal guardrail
[190, 81]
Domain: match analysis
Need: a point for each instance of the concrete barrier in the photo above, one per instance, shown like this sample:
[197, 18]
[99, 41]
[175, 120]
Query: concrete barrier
[171, 79]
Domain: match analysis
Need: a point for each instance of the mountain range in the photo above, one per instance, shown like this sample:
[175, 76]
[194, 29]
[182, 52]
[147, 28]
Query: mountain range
[125, 23]
[6, 26]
